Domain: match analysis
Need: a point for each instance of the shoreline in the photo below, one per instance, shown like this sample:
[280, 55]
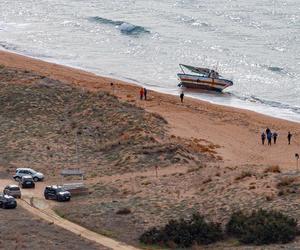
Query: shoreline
[235, 131]
[243, 104]
[128, 82]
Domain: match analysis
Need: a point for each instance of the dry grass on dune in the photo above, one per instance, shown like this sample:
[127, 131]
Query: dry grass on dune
[20, 230]
[43, 118]
[214, 191]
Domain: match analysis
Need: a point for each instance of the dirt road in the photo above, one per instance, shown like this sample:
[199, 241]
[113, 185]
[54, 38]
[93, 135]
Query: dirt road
[33, 202]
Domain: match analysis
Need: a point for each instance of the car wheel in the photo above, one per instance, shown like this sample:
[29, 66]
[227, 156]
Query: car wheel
[46, 197]
[36, 179]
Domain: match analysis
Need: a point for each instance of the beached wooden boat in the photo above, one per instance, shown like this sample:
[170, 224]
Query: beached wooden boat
[202, 78]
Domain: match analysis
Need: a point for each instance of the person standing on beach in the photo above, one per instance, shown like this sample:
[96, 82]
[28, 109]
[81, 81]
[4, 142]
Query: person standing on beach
[181, 97]
[269, 137]
[145, 93]
[141, 93]
[263, 137]
[112, 87]
[289, 137]
[275, 137]
[268, 131]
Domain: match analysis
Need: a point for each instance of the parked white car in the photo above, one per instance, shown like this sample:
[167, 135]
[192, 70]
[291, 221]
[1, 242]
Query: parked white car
[37, 176]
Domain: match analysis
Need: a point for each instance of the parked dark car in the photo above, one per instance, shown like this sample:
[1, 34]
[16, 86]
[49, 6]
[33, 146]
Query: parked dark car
[12, 190]
[7, 201]
[27, 182]
[57, 193]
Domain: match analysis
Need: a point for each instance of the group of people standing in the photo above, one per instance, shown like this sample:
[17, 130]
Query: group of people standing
[269, 135]
[143, 93]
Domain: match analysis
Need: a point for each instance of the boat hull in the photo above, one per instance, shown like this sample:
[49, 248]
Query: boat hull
[200, 82]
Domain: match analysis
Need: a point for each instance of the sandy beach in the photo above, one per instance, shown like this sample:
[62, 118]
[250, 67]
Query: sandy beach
[236, 131]
[209, 158]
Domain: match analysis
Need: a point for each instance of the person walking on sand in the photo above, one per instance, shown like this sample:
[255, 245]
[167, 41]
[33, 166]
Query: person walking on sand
[289, 137]
[275, 137]
[141, 93]
[269, 137]
[268, 131]
[145, 93]
[181, 97]
[263, 138]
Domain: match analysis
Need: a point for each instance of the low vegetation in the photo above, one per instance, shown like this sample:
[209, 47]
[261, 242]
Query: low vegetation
[184, 233]
[286, 181]
[258, 228]
[272, 169]
[262, 227]
[244, 175]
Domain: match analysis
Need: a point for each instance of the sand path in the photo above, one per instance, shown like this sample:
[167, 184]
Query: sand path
[41, 209]
[34, 202]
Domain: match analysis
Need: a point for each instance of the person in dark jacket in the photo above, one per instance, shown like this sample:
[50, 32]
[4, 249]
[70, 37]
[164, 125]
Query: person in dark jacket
[275, 137]
[268, 131]
[269, 138]
[263, 138]
[145, 93]
[289, 137]
[181, 96]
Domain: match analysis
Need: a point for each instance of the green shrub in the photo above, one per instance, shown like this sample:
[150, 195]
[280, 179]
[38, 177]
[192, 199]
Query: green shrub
[184, 233]
[152, 237]
[236, 224]
[262, 227]
[204, 232]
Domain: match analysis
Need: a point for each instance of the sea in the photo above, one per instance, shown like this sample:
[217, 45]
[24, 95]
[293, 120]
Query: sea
[254, 43]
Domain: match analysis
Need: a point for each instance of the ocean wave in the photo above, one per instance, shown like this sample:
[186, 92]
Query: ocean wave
[8, 46]
[124, 27]
[273, 104]
[276, 69]
[29, 52]
[192, 21]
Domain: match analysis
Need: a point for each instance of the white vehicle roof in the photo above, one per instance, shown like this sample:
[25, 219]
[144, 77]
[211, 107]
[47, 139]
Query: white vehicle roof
[18, 169]
[12, 185]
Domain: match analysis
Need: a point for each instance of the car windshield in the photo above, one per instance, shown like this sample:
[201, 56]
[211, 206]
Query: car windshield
[60, 190]
[14, 188]
[32, 171]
